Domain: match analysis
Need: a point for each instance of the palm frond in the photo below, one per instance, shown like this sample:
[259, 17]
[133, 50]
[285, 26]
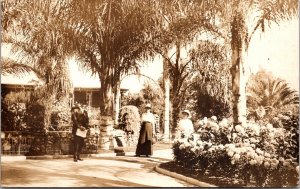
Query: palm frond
[9, 66]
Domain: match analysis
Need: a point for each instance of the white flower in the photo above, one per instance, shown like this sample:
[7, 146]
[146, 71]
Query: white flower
[238, 128]
[199, 142]
[269, 126]
[214, 126]
[210, 150]
[208, 124]
[201, 122]
[224, 123]
[214, 118]
[259, 151]
[237, 150]
[250, 154]
[281, 159]
[286, 163]
[182, 140]
[187, 144]
[230, 153]
[234, 135]
[232, 162]
[236, 157]
[209, 144]
[193, 149]
[249, 148]
[267, 155]
[285, 117]
[253, 162]
[275, 162]
[275, 119]
[252, 140]
[267, 164]
[242, 150]
[182, 146]
[193, 143]
[205, 120]
[297, 169]
[221, 147]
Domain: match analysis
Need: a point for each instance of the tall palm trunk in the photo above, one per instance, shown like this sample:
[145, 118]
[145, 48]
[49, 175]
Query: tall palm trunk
[238, 46]
[117, 95]
[106, 98]
[175, 112]
[166, 78]
[106, 113]
[175, 96]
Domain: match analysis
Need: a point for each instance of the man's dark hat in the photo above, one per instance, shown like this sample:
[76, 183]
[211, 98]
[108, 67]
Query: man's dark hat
[75, 107]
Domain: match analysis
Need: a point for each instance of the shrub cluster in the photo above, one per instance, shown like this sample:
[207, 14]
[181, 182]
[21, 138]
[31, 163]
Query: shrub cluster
[133, 120]
[256, 154]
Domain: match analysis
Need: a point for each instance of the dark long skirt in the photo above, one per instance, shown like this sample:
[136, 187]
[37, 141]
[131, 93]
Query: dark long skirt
[144, 146]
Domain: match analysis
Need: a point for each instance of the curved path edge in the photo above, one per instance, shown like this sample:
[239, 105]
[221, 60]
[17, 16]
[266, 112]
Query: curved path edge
[182, 177]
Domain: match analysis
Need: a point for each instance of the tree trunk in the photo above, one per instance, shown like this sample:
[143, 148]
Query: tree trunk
[238, 46]
[175, 101]
[106, 99]
[175, 113]
[166, 78]
[106, 113]
[117, 95]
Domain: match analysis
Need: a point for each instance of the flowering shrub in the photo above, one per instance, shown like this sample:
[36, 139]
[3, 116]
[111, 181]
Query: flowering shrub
[254, 153]
[133, 120]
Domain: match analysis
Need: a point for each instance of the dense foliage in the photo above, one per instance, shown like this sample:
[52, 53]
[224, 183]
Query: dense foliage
[268, 96]
[254, 153]
[149, 94]
[134, 119]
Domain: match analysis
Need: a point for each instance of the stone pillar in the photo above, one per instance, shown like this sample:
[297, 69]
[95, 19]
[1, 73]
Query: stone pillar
[106, 133]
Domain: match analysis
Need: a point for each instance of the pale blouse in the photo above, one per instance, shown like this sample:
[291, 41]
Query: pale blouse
[148, 117]
[185, 126]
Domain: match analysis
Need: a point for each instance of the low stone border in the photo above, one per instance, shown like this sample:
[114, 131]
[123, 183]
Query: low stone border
[8, 158]
[182, 177]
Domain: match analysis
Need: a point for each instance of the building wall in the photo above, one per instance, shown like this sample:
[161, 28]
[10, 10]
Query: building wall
[7, 88]
[85, 96]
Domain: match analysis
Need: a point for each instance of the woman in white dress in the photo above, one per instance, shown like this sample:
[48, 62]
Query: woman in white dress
[185, 126]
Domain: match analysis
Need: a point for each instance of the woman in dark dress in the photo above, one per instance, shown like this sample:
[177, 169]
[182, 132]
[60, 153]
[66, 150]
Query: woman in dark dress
[144, 146]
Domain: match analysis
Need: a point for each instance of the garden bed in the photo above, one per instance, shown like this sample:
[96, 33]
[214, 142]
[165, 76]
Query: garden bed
[215, 180]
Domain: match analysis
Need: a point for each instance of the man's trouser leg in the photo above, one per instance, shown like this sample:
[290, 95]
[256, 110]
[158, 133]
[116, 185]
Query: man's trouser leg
[76, 147]
[80, 146]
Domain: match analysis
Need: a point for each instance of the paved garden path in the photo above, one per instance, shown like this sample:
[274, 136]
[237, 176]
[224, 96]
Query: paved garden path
[105, 171]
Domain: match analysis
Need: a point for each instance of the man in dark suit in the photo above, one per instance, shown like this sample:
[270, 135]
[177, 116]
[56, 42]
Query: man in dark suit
[80, 121]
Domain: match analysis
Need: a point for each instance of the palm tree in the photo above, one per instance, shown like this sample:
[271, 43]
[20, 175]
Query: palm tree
[36, 32]
[234, 18]
[178, 29]
[109, 39]
[37, 35]
[273, 94]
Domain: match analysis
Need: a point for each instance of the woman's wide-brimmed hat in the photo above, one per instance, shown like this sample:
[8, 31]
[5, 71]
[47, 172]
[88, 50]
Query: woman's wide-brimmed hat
[148, 105]
[187, 112]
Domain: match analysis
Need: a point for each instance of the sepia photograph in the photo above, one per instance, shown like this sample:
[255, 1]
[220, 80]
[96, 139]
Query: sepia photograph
[150, 93]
